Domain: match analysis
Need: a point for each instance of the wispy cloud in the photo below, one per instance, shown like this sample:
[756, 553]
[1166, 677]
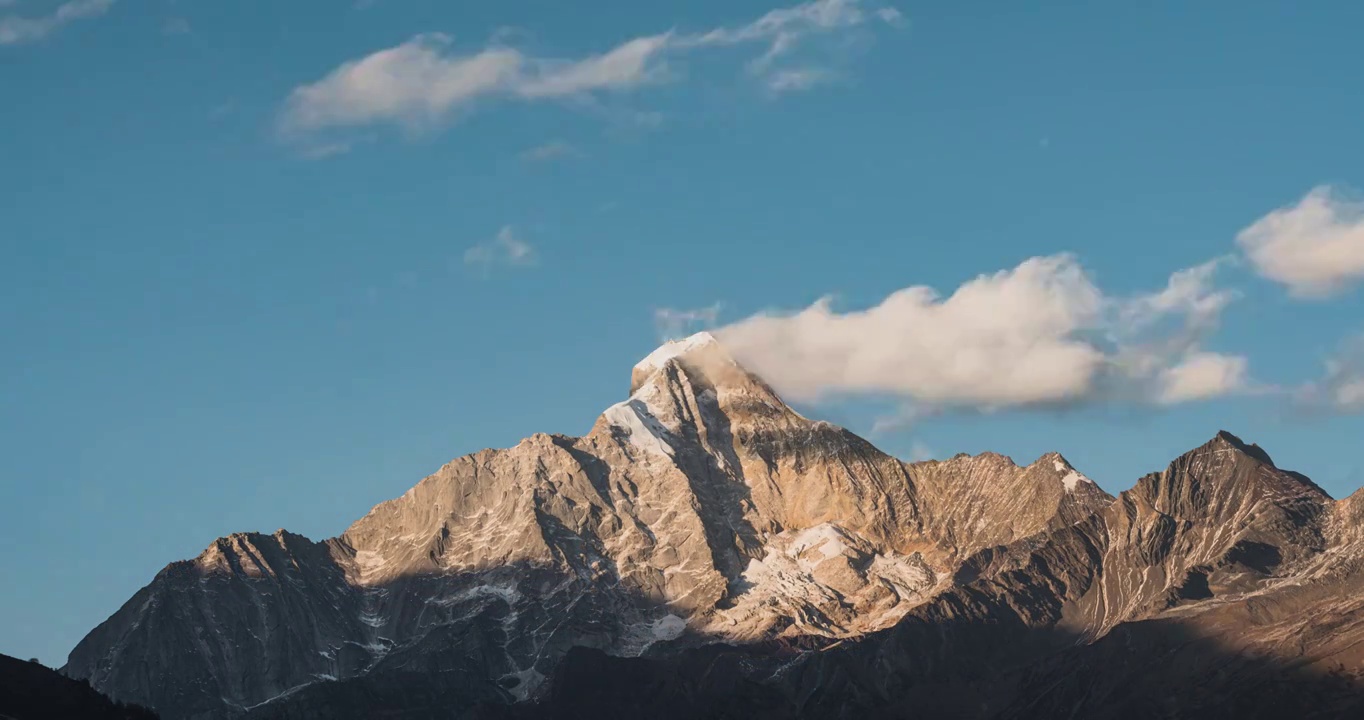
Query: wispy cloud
[919, 452]
[552, 150]
[1341, 388]
[322, 151]
[176, 26]
[784, 81]
[16, 29]
[506, 248]
[672, 323]
[907, 416]
[221, 110]
[1315, 247]
[426, 80]
[783, 31]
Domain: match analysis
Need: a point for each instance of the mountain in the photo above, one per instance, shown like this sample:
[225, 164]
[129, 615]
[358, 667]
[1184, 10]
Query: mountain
[705, 549]
[30, 691]
[1221, 587]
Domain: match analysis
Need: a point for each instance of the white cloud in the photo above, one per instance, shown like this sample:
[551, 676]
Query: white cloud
[418, 83]
[1189, 293]
[890, 15]
[1349, 396]
[629, 65]
[672, 323]
[1039, 334]
[782, 27]
[1315, 248]
[1341, 389]
[1202, 375]
[1006, 339]
[425, 80]
[413, 83]
[504, 249]
[783, 30]
[15, 29]
[1153, 335]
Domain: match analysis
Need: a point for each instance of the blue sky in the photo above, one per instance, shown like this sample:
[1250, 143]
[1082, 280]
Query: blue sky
[256, 276]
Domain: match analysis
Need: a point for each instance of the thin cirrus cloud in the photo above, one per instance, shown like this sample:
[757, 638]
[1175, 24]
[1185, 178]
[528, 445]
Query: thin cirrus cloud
[17, 29]
[1039, 334]
[919, 452]
[1315, 247]
[1341, 388]
[426, 80]
[552, 150]
[672, 323]
[176, 26]
[798, 79]
[506, 248]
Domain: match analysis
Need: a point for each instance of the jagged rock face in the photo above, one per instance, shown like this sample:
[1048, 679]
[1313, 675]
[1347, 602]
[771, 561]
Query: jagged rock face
[274, 609]
[1221, 587]
[701, 508]
[973, 503]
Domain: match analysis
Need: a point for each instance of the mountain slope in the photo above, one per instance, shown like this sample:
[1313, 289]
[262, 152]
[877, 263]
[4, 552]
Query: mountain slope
[1221, 587]
[30, 691]
[699, 509]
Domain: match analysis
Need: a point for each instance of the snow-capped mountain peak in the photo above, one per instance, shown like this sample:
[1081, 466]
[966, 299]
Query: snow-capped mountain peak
[674, 348]
[700, 350]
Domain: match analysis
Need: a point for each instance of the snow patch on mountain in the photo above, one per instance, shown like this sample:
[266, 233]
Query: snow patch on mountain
[1073, 479]
[641, 427]
[815, 577]
[825, 538]
[640, 636]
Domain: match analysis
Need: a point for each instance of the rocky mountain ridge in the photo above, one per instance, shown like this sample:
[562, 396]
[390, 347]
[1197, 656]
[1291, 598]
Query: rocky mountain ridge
[702, 513]
[1220, 587]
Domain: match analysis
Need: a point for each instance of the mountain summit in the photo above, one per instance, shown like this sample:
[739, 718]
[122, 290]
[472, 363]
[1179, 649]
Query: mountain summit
[700, 350]
[700, 509]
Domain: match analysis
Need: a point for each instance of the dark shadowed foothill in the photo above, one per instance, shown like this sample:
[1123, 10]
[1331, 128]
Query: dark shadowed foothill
[32, 691]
